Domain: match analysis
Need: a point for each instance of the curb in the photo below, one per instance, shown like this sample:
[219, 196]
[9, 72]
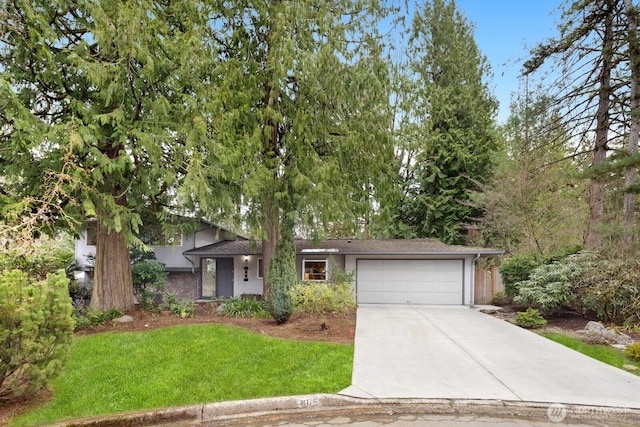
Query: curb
[309, 406]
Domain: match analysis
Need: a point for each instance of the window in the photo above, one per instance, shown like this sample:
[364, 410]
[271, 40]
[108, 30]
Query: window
[260, 269]
[92, 233]
[315, 269]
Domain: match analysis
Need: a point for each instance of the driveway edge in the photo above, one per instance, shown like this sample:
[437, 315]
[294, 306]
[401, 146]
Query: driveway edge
[281, 408]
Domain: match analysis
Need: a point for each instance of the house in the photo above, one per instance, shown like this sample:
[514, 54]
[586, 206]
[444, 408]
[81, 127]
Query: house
[213, 262]
[400, 271]
[183, 275]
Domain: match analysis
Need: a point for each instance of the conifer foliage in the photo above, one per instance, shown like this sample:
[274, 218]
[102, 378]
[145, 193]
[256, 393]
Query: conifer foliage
[97, 100]
[35, 332]
[446, 131]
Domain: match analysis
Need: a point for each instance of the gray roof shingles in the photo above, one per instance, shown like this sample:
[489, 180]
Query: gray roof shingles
[348, 247]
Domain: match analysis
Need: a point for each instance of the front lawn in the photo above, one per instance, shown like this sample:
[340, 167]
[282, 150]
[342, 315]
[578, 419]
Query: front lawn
[603, 353]
[118, 372]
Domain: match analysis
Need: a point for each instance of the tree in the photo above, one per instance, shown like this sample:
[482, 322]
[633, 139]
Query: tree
[299, 121]
[98, 99]
[631, 171]
[591, 51]
[534, 203]
[446, 128]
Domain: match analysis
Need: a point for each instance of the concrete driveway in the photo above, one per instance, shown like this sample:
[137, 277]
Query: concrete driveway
[459, 353]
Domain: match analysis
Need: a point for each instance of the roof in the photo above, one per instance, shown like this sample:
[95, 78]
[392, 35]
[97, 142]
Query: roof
[348, 247]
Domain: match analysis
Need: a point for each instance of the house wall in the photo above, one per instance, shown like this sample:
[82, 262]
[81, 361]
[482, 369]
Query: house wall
[170, 256]
[211, 235]
[253, 284]
[83, 252]
[468, 277]
[184, 283]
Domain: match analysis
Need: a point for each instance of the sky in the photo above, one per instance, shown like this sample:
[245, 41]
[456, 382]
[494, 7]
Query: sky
[505, 30]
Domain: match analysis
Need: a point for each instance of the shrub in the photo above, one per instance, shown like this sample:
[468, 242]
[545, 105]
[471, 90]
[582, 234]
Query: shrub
[551, 286]
[36, 331]
[183, 308]
[517, 269]
[611, 290]
[89, 316]
[339, 276]
[501, 298]
[79, 293]
[149, 279]
[530, 319]
[633, 351]
[281, 277]
[244, 307]
[323, 297]
[520, 267]
[38, 262]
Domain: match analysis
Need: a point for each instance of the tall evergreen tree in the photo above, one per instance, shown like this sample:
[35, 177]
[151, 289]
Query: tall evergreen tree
[299, 122]
[97, 102]
[447, 129]
[597, 52]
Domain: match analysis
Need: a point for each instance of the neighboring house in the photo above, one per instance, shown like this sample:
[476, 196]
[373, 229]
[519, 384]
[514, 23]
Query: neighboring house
[402, 271]
[214, 262]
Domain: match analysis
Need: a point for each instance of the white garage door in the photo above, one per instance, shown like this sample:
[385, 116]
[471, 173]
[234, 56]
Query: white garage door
[390, 281]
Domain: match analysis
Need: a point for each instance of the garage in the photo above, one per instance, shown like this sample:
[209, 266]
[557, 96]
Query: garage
[410, 281]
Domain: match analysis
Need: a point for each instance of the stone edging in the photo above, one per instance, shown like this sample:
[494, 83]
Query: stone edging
[281, 408]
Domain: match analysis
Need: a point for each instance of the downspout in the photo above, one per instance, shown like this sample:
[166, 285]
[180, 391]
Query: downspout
[193, 264]
[473, 279]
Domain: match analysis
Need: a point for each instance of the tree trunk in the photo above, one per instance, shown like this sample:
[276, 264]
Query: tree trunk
[593, 239]
[629, 202]
[112, 283]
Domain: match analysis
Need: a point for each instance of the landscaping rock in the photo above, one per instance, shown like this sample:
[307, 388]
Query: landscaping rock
[596, 333]
[630, 367]
[123, 319]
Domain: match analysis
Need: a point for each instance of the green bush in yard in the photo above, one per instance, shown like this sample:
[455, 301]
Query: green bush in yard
[323, 297]
[244, 307]
[36, 331]
[517, 269]
[551, 286]
[530, 319]
[86, 317]
[38, 262]
[149, 277]
[633, 351]
[611, 289]
[281, 278]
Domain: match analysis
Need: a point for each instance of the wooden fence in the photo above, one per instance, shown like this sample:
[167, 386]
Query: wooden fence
[487, 283]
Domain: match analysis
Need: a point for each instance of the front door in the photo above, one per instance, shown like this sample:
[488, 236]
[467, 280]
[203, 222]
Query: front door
[217, 278]
[225, 277]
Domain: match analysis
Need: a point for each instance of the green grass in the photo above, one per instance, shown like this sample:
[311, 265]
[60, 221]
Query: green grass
[604, 353]
[118, 372]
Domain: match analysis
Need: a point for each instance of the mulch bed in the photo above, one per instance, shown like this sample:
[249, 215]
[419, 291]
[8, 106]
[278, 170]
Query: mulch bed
[340, 328]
